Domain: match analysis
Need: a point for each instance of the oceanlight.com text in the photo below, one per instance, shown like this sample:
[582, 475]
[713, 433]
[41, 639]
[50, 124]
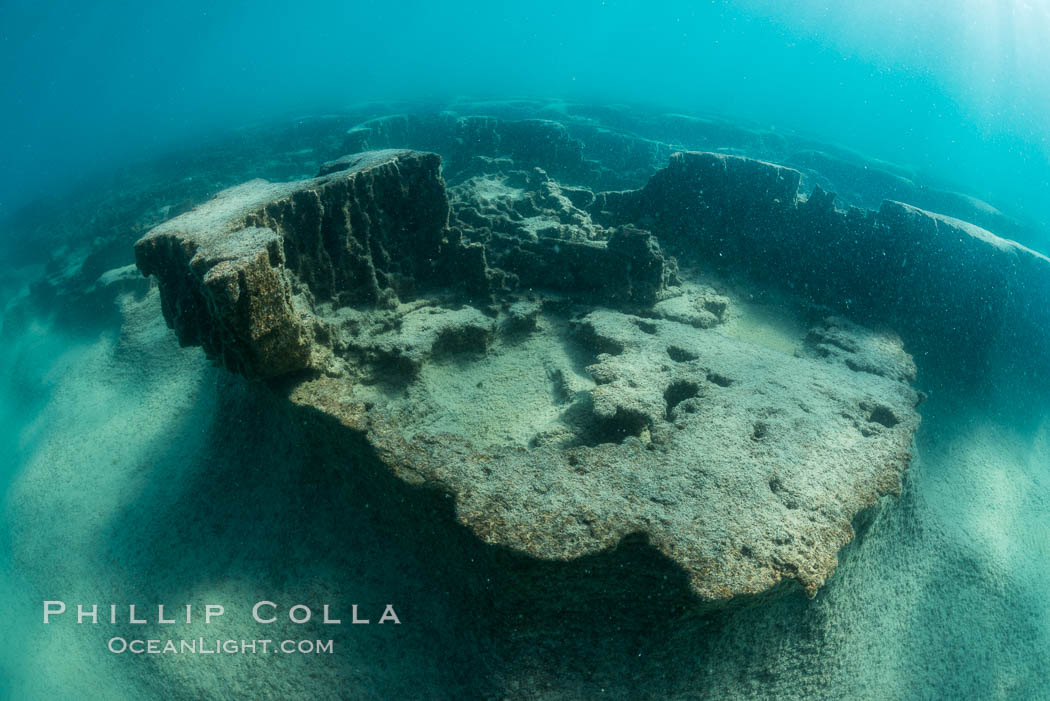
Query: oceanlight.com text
[203, 646]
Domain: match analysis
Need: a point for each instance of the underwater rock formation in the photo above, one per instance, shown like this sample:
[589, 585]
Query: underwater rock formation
[555, 373]
[578, 151]
[612, 147]
[236, 282]
[536, 233]
[214, 485]
[252, 276]
[949, 286]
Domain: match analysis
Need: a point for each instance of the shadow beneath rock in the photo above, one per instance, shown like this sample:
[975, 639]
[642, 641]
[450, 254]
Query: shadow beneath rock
[281, 503]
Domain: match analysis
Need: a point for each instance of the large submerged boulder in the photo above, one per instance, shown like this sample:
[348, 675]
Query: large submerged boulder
[577, 392]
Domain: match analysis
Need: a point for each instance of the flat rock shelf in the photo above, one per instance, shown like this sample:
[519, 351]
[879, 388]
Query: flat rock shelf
[555, 372]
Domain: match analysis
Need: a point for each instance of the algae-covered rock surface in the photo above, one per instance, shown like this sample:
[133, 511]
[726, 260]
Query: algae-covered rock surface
[559, 377]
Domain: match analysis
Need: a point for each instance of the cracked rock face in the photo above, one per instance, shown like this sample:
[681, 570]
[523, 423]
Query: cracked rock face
[559, 376]
[243, 275]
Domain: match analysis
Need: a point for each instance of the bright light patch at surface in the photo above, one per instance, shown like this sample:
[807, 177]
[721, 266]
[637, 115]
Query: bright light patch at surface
[990, 56]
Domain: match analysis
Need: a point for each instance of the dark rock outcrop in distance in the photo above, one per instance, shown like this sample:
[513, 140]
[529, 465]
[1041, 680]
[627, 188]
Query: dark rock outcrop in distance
[614, 147]
[577, 153]
[561, 426]
[857, 180]
[954, 289]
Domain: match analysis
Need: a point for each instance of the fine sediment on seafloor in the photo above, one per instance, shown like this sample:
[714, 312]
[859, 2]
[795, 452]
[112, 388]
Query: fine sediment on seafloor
[556, 373]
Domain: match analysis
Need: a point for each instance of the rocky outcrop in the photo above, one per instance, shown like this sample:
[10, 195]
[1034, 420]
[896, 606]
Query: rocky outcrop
[537, 234]
[80, 235]
[260, 276]
[579, 391]
[462, 139]
[952, 288]
[245, 275]
[613, 147]
[708, 204]
[576, 151]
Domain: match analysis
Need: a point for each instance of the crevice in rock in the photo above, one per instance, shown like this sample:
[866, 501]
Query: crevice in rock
[719, 379]
[680, 355]
[645, 326]
[679, 391]
[884, 416]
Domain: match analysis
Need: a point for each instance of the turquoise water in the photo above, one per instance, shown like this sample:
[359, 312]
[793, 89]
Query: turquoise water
[132, 470]
[954, 89]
